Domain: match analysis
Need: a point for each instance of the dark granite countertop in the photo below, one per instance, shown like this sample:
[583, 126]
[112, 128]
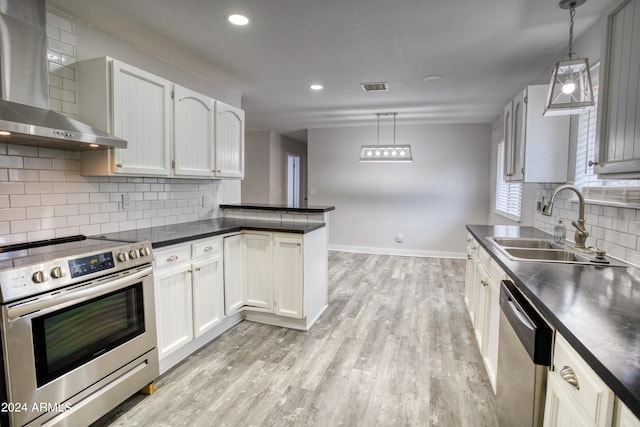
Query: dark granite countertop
[597, 309]
[167, 235]
[279, 207]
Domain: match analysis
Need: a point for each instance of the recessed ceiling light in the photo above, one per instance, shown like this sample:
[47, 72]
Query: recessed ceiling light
[237, 19]
[5, 133]
[316, 87]
[432, 77]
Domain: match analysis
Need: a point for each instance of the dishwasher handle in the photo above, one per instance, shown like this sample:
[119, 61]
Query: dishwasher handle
[532, 330]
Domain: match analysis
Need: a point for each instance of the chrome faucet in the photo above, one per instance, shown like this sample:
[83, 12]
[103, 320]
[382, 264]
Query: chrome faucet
[581, 232]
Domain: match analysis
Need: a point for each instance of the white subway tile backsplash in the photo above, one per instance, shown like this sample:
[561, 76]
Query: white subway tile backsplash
[24, 175]
[25, 226]
[38, 163]
[612, 228]
[24, 200]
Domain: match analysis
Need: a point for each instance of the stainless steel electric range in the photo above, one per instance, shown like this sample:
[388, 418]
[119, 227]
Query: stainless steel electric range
[78, 330]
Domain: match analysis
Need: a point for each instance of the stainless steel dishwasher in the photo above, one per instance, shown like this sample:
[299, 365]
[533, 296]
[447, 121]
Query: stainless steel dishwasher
[524, 355]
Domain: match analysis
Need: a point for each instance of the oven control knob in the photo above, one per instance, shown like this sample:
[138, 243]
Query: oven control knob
[144, 251]
[39, 277]
[122, 257]
[57, 272]
[133, 254]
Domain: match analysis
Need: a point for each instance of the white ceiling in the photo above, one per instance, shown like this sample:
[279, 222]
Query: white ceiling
[485, 50]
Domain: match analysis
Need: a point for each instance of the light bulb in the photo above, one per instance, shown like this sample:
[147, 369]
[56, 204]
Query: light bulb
[377, 153]
[394, 153]
[386, 153]
[568, 87]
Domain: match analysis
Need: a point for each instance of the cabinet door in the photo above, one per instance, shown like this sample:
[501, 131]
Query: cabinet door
[480, 311]
[491, 329]
[619, 109]
[288, 277]
[173, 308]
[258, 270]
[208, 294]
[193, 133]
[470, 275]
[559, 409]
[508, 141]
[229, 153]
[519, 139]
[142, 116]
[233, 265]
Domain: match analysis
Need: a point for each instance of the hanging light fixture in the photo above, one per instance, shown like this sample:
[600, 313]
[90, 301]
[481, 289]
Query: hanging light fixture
[570, 91]
[386, 153]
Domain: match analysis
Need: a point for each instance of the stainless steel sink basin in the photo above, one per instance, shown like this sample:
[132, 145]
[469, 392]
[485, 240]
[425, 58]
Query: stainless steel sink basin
[544, 255]
[516, 242]
[546, 250]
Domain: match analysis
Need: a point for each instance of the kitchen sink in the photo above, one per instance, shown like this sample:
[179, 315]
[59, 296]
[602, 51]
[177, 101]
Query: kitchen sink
[545, 255]
[515, 242]
[546, 250]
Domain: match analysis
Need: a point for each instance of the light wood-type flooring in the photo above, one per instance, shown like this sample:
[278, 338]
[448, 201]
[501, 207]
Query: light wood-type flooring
[394, 348]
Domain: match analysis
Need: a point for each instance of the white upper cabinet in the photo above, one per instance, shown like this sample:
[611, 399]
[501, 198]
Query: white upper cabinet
[194, 123]
[536, 147]
[133, 105]
[229, 141]
[619, 93]
[172, 131]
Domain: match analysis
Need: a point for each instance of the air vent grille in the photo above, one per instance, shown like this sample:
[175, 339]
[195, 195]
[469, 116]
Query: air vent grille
[374, 87]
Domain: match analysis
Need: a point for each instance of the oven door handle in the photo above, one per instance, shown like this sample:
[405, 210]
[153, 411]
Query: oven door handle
[56, 301]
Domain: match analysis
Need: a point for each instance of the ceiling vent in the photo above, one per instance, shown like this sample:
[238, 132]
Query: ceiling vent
[374, 87]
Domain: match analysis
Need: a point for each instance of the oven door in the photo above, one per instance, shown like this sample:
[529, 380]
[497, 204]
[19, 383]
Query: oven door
[59, 344]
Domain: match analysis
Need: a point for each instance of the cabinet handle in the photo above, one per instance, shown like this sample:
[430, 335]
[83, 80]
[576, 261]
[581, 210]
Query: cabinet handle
[197, 269]
[569, 376]
[208, 249]
[592, 163]
[469, 256]
[172, 258]
[118, 165]
[484, 282]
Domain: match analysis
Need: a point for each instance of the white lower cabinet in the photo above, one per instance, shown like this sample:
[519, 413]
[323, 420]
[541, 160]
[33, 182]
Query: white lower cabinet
[276, 278]
[233, 273]
[189, 296]
[576, 396]
[624, 417]
[258, 270]
[482, 292]
[288, 276]
[173, 308]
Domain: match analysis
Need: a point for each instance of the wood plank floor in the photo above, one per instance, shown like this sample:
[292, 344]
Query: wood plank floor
[395, 347]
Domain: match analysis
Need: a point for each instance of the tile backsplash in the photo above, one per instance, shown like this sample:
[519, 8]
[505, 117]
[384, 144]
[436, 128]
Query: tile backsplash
[612, 228]
[42, 195]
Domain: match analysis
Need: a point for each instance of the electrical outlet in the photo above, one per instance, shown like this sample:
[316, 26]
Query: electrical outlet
[126, 202]
[400, 238]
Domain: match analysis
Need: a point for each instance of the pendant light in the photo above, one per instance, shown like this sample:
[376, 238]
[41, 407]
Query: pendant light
[386, 153]
[570, 91]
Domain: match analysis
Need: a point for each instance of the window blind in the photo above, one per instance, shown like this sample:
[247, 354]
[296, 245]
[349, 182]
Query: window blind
[508, 195]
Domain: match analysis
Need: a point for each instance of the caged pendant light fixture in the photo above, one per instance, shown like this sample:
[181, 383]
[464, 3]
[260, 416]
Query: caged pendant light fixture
[389, 152]
[570, 91]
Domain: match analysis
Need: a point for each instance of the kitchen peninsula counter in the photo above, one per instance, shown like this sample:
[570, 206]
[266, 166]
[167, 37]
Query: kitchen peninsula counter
[167, 235]
[597, 309]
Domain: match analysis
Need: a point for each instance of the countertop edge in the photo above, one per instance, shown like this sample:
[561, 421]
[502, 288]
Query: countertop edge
[619, 389]
[257, 206]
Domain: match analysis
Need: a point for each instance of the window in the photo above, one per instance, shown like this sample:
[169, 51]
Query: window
[508, 195]
[623, 191]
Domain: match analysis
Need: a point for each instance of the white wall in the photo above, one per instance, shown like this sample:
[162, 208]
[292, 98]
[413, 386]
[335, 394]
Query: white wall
[429, 201]
[255, 185]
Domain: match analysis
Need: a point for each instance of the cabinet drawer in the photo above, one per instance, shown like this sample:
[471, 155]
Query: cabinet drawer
[206, 247]
[589, 392]
[173, 255]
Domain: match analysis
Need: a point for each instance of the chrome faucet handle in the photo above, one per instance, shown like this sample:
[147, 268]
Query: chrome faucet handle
[599, 252]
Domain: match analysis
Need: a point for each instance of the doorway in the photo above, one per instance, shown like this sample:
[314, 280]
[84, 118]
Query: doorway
[293, 180]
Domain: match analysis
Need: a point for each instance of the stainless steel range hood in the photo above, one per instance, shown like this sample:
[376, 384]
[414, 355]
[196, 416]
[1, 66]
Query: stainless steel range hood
[24, 86]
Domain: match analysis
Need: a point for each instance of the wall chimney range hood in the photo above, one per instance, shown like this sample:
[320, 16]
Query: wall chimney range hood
[25, 117]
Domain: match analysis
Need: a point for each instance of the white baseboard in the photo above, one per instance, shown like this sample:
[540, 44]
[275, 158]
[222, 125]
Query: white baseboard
[397, 252]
